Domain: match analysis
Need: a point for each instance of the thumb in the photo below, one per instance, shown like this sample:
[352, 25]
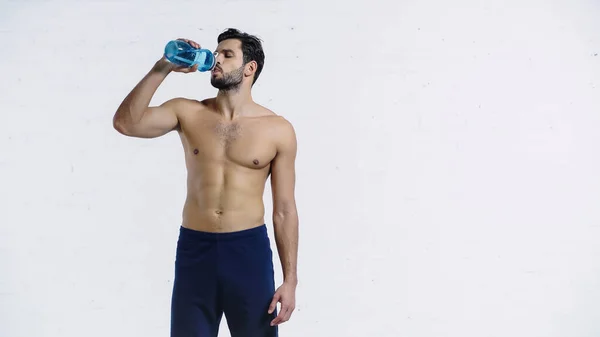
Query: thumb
[274, 302]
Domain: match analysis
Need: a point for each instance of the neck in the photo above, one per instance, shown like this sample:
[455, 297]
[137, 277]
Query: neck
[232, 103]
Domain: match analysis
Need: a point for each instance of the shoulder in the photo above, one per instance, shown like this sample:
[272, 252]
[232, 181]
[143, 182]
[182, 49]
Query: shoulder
[183, 106]
[283, 132]
[189, 102]
[176, 102]
[279, 126]
[277, 121]
[285, 128]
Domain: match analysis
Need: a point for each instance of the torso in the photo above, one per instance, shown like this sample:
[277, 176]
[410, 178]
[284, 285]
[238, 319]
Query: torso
[228, 162]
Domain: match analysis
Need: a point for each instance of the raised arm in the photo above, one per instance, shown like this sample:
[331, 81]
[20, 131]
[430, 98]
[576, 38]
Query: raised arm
[136, 118]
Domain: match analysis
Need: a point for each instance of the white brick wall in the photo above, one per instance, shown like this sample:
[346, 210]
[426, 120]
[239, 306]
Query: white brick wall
[447, 172]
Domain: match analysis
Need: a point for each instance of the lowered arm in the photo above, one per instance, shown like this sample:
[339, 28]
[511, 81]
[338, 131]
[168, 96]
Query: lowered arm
[285, 215]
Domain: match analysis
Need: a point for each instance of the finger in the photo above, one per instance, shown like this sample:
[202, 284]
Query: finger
[289, 313]
[189, 69]
[277, 320]
[194, 44]
[273, 304]
[190, 42]
[280, 318]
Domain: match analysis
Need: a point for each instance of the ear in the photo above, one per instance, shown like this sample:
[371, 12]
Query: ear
[250, 68]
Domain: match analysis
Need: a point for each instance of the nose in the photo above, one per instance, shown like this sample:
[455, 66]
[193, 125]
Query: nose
[218, 58]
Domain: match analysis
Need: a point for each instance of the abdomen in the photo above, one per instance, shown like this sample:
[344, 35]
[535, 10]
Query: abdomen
[224, 197]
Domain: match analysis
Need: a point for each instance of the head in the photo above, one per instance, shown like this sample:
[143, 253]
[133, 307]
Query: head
[239, 60]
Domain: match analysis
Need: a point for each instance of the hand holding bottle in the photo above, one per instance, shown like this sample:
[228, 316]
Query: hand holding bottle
[184, 69]
[187, 56]
[164, 64]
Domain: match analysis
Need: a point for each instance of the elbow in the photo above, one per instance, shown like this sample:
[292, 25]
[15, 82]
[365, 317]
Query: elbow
[119, 126]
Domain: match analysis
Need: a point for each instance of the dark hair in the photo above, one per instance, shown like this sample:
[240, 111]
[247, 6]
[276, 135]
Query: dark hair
[251, 48]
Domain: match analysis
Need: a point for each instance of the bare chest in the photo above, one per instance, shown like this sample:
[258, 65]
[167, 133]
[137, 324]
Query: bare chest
[245, 143]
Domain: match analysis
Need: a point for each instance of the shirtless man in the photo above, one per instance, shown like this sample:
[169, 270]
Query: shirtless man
[232, 144]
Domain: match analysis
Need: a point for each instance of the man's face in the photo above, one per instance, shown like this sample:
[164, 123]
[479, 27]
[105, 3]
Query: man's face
[228, 72]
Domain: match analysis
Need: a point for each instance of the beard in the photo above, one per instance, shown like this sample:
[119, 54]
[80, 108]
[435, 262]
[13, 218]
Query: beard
[230, 81]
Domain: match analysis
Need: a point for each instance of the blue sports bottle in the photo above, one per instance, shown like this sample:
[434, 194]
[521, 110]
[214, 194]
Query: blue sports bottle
[183, 54]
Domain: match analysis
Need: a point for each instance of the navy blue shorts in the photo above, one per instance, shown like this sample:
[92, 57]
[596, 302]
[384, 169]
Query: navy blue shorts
[223, 273]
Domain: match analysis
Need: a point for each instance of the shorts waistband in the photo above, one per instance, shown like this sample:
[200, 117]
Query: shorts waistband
[203, 235]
